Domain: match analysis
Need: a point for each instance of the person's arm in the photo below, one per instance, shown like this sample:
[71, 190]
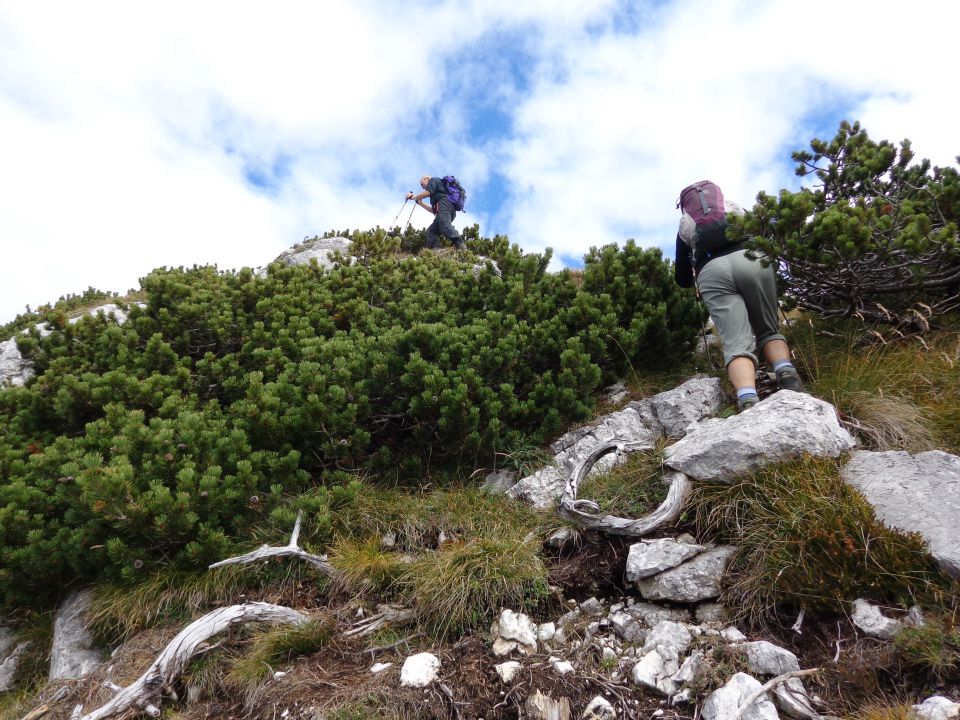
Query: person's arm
[683, 265]
[418, 198]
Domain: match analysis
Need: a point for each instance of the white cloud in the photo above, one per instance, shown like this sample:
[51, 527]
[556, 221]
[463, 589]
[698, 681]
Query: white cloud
[618, 124]
[126, 131]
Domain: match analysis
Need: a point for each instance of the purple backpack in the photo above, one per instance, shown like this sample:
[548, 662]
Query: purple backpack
[455, 192]
[703, 201]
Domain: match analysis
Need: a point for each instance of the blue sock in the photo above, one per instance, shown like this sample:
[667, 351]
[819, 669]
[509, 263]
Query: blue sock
[744, 392]
[781, 364]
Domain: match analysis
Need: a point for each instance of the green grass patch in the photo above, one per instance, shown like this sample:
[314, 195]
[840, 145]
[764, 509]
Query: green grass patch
[457, 555]
[933, 648]
[272, 646]
[118, 612]
[808, 540]
[416, 519]
[525, 457]
[377, 706]
[365, 567]
[463, 584]
[632, 490]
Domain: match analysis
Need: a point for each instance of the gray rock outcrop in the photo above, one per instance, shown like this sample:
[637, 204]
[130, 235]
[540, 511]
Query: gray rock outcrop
[15, 370]
[785, 425]
[640, 424]
[11, 653]
[73, 654]
[692, 581]
[914, 493]
[675, 410]
[318, 249]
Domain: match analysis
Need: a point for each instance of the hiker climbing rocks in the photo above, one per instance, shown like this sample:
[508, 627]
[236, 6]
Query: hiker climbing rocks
[443, 207]
[739, 292]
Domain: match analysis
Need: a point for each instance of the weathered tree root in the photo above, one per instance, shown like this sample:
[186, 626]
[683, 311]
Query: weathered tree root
[769, 685]
[144, 694]
[386, 614]
[585, 513]
[291, 548]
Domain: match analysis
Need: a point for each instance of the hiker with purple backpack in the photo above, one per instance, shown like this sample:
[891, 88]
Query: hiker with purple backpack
[446, 197]
[739, 292]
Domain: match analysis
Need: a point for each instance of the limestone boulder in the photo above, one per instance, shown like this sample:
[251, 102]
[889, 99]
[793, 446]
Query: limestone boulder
[649, 557]
[913, 493]
[419, 670]
[73, 653]
[318, 249]
[723, 703]
[695, 580]
[785, 425]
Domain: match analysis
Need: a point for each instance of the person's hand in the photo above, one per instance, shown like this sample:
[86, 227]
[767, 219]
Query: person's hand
[410, 195]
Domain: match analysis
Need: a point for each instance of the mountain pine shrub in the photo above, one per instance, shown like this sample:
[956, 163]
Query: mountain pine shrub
[172, 440]
[875, 238]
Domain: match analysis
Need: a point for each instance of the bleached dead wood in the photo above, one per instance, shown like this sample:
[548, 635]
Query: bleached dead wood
[544, 707]
[385, 614]
[291, 548]
[586, 513]
[144, 694]
[769, 685]
[36, 713]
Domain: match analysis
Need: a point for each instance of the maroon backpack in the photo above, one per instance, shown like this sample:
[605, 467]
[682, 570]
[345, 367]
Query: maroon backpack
[703, 201]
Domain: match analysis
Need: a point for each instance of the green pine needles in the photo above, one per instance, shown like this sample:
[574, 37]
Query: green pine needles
[166, 441]
[875, 236]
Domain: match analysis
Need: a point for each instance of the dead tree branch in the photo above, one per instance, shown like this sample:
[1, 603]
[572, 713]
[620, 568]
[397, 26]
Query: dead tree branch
[159, 679]
[267, 551]
[769, 685]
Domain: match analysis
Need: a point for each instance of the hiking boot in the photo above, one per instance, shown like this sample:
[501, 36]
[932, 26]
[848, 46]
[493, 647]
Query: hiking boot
[788, 379]
[747, 402]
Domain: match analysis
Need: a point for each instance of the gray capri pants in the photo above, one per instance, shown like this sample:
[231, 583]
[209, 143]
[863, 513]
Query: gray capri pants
[741, 297]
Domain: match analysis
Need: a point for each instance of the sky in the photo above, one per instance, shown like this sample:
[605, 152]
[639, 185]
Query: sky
[140, 135]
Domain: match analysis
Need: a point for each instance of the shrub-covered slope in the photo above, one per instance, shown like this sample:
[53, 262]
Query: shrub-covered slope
[163, 440]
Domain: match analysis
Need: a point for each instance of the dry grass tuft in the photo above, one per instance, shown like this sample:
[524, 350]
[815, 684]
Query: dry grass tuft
[365, 567]
[879, 710]
[890, 422]
[460, 586]
[809, 540]
[120, 611]
[894, 395]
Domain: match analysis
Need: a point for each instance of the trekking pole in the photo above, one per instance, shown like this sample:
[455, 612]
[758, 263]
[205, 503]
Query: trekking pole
[703, 323]
[410, 217]
[405, 201]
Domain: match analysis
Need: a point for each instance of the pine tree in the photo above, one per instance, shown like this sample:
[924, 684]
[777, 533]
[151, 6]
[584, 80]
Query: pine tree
[876, 238]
